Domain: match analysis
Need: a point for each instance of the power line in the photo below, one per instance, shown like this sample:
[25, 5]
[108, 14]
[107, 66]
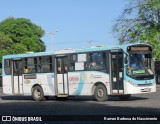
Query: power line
[88, 43]
[71, 42]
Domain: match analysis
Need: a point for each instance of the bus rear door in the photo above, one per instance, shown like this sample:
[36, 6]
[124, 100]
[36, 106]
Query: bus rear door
[116, 72]
[61, 75]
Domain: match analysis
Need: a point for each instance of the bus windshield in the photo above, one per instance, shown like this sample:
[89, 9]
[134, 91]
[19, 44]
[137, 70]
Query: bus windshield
[139, 64]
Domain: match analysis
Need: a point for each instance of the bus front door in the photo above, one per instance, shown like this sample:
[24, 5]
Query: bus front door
[116, 73]
[17, 77]
[62, 76]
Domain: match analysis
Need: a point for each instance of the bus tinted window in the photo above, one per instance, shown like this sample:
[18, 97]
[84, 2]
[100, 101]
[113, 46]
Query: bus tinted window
[38, 64]
[97, 60]
[72, 66]
[45, 60]
[45, 64]
[30, 65]
[73, 59]
[7, 66]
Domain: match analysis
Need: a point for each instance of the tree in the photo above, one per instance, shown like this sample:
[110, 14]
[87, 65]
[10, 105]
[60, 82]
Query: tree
[19, 35]
[5, 41]
[140, 22]
[18, 48]
[23, 31]
[2, 53]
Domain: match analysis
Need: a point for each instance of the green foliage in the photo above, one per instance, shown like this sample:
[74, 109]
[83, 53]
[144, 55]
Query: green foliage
[5, 41]
[140, 22]
[18, 48]
[2, 53]
[19, 35]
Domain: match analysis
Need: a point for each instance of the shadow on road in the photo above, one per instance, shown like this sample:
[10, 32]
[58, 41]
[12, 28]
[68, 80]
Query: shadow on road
[75, 106]
[77, 98]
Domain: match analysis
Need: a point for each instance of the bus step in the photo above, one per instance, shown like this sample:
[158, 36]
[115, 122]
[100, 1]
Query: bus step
[62, 95]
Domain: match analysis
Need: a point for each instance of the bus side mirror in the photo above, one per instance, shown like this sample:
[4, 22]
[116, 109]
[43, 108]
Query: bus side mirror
[126, 59]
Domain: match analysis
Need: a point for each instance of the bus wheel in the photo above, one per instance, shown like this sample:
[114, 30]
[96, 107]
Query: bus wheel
[125, 97]
[100, 93]
[38, 94]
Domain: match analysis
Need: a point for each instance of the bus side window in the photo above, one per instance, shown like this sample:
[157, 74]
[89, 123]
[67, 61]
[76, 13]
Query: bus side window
[7, 66]
[73, 59]
[97, 60]
[30, 65]
[45, 64]
[65, 65]
[59, 69]
[72, 66]
[65, 69]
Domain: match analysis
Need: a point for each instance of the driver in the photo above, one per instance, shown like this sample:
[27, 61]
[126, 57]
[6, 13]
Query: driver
[137, 65]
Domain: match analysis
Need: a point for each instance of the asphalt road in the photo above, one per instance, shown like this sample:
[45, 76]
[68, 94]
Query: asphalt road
[142, 104]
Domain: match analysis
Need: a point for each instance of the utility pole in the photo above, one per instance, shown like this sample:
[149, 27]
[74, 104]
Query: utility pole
[90, 43]
[52, 37]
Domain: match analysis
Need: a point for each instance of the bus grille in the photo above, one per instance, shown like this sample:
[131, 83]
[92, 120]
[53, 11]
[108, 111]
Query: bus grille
[141, 85]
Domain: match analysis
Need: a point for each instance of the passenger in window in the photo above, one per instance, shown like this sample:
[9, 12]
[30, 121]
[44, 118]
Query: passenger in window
[26, 70]
[65, 69]
[59, 69]
[93, 65]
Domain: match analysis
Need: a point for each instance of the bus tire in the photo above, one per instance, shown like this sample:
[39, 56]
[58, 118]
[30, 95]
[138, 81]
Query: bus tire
[38, 94]
[100, 93]
[125, 97]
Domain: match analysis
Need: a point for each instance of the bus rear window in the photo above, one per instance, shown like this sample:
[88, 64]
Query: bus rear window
[7, 66]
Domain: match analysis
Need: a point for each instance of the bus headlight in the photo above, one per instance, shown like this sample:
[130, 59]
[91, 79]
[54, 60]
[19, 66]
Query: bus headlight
[130, 82]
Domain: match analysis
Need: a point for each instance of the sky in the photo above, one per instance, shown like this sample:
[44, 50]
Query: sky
[73, 23]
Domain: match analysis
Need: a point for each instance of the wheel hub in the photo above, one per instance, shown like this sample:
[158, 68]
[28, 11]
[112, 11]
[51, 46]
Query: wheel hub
[100, 93]
[37, 93]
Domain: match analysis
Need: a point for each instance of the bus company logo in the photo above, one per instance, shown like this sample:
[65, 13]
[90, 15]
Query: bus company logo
[74, 78]
[95, 76]
[27, 81]
[84, 77]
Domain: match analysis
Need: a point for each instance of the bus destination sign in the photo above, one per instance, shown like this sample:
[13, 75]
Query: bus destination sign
[139, 48]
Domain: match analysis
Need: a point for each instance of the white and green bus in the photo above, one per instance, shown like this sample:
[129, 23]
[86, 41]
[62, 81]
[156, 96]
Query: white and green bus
[97, 71]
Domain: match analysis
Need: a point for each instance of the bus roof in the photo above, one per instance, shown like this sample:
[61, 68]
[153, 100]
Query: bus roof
[67, 51]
